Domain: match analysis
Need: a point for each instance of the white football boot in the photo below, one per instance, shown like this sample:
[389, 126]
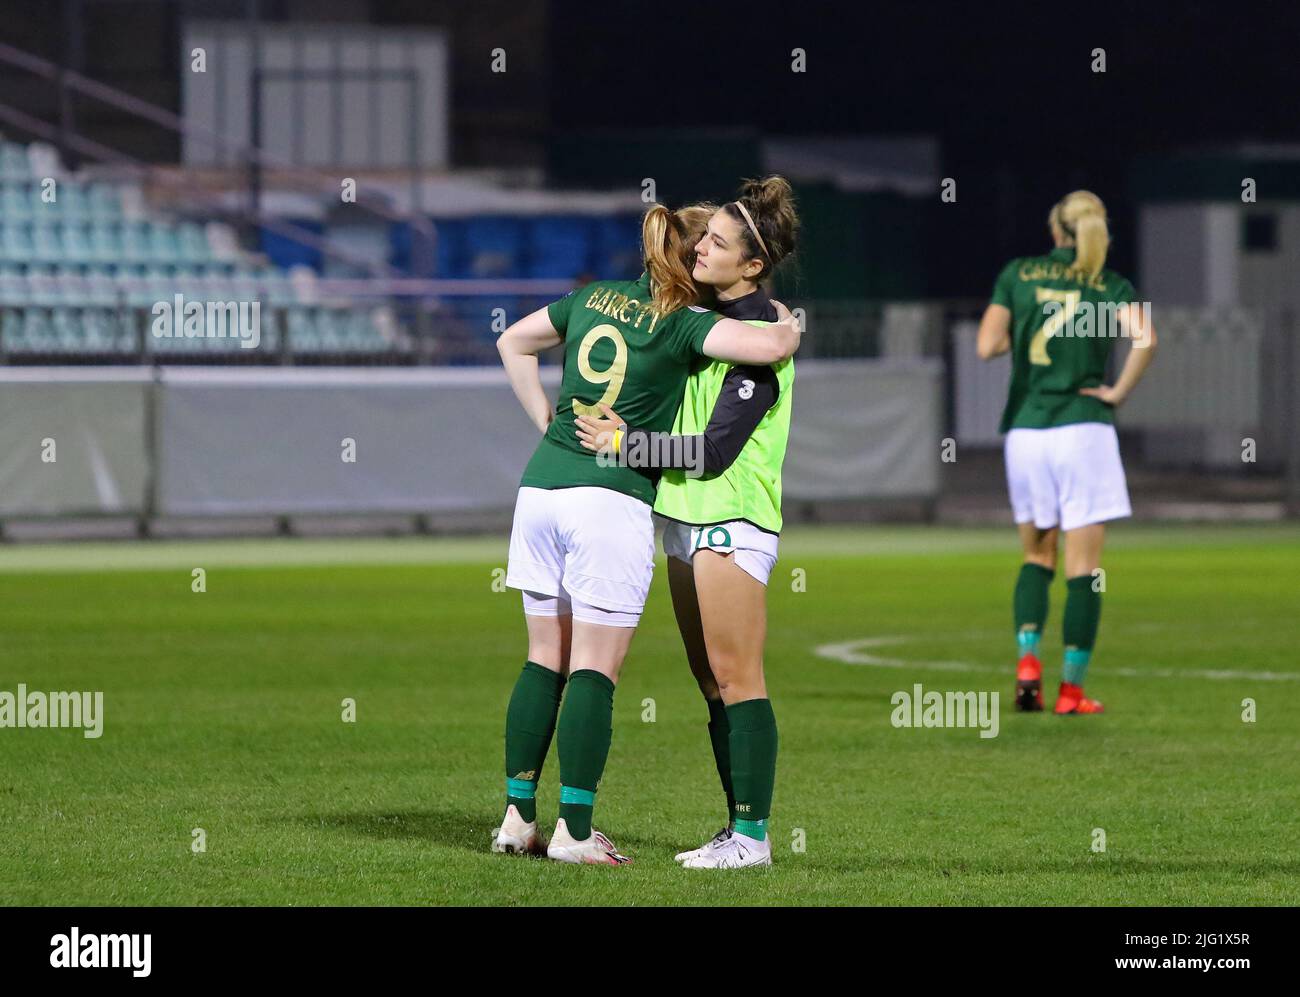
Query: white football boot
[596, 850]
[515, 836]
[708, 846]
[737, 852]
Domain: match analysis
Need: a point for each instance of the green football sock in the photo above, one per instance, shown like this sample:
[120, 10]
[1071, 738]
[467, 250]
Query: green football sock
[530, 722]
[719, 736]
[753, 764]
[585, 731]
[1082, 616]
[1030, 606]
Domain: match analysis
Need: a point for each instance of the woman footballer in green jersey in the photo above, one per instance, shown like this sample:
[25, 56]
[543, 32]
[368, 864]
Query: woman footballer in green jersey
[582, 544]
[720, 500]
[1058, 315]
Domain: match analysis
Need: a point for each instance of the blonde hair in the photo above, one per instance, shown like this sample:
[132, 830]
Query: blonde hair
[665, 248]
[1079, 220]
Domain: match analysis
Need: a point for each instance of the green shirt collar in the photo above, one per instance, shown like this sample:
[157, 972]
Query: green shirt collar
[1063, 253]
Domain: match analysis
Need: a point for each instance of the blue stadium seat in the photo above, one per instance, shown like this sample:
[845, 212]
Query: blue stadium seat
[560, 246]
[494, 246]
[617, 252]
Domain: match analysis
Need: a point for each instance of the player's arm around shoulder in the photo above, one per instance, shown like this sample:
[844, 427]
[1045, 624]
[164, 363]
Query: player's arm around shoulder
[739, 342]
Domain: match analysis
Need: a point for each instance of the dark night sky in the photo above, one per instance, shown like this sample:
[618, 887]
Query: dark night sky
[1013, 78]
[1007, 88]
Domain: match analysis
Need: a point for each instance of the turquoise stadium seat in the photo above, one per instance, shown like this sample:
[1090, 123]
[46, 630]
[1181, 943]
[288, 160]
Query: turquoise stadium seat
[47, 247]
[164, 247]
[193, 243]
[13, 288]
[16, 202]
[106, 243]
[76, 242]
[135, 241]
[104, 202]
[42, 287]
[17, 242]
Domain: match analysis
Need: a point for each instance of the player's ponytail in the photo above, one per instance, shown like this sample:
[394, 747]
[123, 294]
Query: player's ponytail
[769, 222]
[665, 248]
[1079, 220]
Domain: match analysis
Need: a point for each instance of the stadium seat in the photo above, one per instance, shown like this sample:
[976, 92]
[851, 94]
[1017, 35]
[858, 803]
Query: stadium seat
[494, 247]
[46, 245]
[106, 243]
[42, 288]
[13, 288]
[450, 257]
[103, 202]
[559, 247]
[76, 242]
[617, 251]
[193, 243]
[135, 241]
[164, 245]
[16, 202]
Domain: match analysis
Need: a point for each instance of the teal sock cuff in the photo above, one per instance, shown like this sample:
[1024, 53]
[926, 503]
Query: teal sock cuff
[752, 714]
[521, 789]
[580, 797]
[756, 829]
[1028, 641]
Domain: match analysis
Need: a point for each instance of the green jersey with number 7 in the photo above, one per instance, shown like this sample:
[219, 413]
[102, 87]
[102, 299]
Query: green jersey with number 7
[1062, 330]
[620, 351]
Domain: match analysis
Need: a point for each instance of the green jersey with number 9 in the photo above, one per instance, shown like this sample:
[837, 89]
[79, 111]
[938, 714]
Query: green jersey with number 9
[1062, 332]
[620, 351]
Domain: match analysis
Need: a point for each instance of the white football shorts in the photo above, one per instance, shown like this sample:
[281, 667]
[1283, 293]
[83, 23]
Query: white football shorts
[754, 549]
[1066, 476]
[590, 548]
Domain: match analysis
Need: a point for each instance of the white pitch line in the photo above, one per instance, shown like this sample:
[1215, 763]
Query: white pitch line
[854, 652]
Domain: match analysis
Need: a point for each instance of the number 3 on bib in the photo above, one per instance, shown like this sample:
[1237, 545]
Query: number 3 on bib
[612, 375]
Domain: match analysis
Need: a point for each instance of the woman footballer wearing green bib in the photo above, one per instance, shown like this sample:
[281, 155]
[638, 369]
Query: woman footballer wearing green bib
[720, 500]
[1059, 315]
[582, 544]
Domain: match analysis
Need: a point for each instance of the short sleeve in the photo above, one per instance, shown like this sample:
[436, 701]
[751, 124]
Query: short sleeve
[559, 312]
[1004, 285]
[691, 327]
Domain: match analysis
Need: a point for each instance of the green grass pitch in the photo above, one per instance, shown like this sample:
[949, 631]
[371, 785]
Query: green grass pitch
[222, 712]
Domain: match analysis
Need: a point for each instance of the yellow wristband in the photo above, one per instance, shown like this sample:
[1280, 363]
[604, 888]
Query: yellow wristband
[618, 440]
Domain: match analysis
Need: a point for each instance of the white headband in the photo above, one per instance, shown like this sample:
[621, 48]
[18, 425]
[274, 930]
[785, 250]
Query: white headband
[753, 228]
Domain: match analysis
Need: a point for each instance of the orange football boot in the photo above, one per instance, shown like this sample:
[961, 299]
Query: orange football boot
[1072, 700]
[1029, 684]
